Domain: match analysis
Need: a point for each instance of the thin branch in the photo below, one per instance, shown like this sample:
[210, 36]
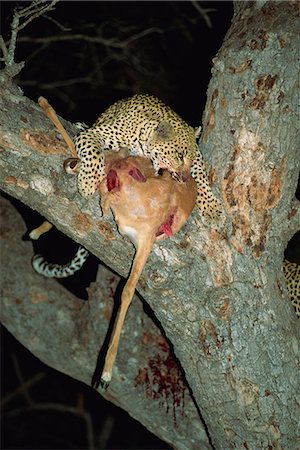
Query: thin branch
[36, 9]
[20, 389]
[59, 25]
[93, 39]
[23, 386]
[36, 52]
[56, 86]
[3, 48]
[105, 432]
[204, 12]
[85, 415]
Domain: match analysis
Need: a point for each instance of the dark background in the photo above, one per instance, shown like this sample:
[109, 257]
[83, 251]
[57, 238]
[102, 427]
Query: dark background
[80, 77]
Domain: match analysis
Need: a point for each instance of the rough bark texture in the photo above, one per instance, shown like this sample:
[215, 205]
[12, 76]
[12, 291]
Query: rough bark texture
[218, 291]
[66, 333]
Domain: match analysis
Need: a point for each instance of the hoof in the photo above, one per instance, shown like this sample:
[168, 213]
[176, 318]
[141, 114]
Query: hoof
[105, 380]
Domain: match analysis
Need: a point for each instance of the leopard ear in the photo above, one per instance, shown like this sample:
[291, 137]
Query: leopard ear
[165, 131]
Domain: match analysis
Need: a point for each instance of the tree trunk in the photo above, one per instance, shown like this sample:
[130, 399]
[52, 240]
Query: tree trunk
[221, 298]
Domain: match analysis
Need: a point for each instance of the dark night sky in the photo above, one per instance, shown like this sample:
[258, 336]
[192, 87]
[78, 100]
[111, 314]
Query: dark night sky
[173, 63]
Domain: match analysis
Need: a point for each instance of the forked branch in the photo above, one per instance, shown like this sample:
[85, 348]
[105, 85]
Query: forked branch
[21, 18]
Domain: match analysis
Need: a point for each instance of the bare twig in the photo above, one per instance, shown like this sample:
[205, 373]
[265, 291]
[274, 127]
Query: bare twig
[58, 24]
[55, 86]
[3, 48]
[36, 9]
[85, 415]
[105, 432]
[57, 83]
[204, 12]
[20, 389]
[114, 43]
[23, 385]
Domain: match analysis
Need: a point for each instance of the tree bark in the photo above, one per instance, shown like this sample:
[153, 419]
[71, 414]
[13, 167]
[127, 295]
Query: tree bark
[217, 290]
[66, 333]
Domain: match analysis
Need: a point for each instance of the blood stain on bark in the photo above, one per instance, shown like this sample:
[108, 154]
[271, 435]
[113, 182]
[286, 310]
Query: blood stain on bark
[164, 381]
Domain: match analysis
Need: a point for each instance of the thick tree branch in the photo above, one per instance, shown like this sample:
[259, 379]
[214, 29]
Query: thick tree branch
[66, 334]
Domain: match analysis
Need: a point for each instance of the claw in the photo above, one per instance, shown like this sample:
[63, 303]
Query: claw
[177, 177]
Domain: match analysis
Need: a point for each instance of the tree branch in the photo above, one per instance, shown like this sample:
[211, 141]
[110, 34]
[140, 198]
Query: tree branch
[40, 312]
[36, 9]
[113, 43]
[204, 12]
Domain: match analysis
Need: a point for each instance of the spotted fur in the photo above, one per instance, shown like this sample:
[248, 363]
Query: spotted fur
[145, 126]
[292, 275]
[42, 267]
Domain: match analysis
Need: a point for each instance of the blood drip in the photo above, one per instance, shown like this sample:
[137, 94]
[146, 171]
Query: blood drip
[164, 382]
[166, 227]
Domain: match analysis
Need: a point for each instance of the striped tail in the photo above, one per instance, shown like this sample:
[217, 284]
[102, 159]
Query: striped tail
[42, 267]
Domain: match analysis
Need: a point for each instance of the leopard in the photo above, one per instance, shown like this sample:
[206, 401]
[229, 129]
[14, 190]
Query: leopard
[146, 127]
[292, 276]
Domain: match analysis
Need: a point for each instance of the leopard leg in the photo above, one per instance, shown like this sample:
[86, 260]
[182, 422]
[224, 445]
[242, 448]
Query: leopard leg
[208, 204]
[292, 276]
[43, 228]
[81, 126]
[156, 165]
[89, 147]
